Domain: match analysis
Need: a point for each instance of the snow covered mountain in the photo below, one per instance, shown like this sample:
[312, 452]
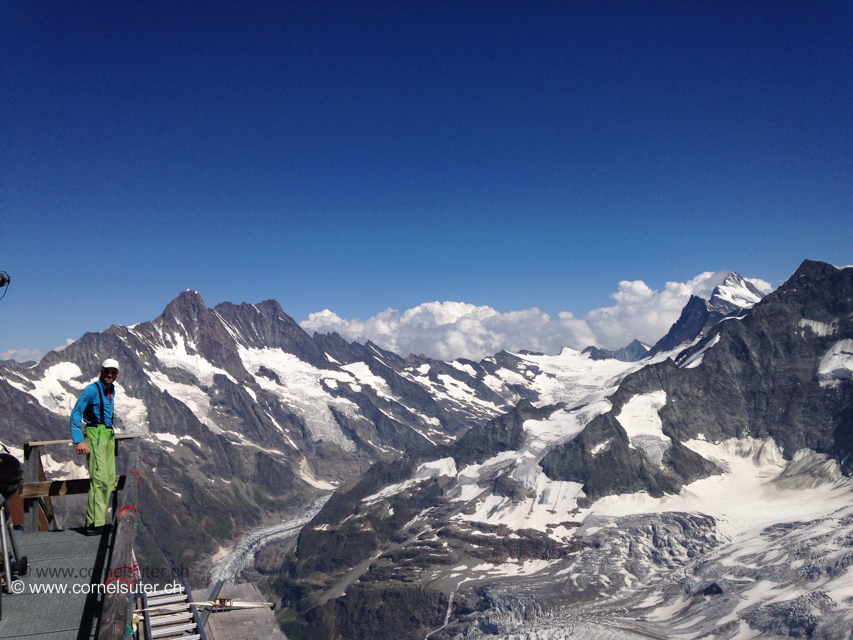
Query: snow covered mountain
[704, 494]
[251, 419]
[524, 491]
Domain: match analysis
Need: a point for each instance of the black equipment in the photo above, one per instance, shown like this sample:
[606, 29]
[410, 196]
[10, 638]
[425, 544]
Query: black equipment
[11, 478]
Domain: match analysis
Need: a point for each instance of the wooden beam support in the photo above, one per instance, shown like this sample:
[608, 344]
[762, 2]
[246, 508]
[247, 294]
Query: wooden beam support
[61, 487]
[31, 475]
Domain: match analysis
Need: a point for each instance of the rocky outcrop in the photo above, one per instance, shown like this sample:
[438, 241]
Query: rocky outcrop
[759, 375]
[630, 353]
[603, 460]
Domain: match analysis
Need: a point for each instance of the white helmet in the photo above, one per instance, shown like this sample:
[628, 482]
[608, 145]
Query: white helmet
[109, 363]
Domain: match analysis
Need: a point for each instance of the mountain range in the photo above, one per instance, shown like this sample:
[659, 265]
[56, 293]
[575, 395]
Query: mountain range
[698, 486]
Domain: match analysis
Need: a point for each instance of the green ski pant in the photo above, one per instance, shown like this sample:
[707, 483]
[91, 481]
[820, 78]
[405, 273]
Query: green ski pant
[102, 472]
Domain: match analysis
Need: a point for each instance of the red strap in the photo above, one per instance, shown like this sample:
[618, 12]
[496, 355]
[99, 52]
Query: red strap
[113, 575]
[130, 506]
[138, 484]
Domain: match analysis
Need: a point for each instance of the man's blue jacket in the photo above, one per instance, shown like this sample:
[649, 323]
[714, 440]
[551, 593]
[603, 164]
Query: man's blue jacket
[89, 408]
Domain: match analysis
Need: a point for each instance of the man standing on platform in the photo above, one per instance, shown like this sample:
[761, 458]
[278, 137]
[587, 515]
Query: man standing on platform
[92, 433]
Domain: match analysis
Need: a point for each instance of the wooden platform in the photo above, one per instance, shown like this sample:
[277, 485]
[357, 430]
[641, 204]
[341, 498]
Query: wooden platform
[61, 561]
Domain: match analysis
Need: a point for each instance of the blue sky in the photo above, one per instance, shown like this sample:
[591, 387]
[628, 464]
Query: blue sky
[356, 156]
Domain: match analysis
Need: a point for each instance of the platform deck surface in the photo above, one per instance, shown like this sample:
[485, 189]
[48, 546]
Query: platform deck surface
[57, 602]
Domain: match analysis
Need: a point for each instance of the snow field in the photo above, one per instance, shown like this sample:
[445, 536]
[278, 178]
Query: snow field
[837, 363]
[301, 386]
[641, 421]
[178, 357]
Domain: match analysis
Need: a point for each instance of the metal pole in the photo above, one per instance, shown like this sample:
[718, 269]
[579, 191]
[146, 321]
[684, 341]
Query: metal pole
[6, 564]
[210, 596]
[20, 560]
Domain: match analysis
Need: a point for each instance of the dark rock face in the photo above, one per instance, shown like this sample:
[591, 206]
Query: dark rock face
[618, 468]
[631, 353]
[599, 354]
[504, 433]
[697, 317]
[760, 377]
[373, 613]
[14, 364]
[506, 487]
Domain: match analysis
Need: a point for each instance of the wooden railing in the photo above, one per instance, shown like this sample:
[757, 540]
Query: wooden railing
[117, 610]
[37, 489]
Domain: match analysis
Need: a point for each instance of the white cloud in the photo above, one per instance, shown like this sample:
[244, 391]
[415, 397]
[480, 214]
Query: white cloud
[762, 285]
[449, 330]
[446, 330]
[21, 355]
[68, 342]
[25, 355]
[645, 314]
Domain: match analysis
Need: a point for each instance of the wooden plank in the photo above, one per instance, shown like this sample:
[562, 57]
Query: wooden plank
[122, 436]
[48, 505]
[55, 488]
[61, 487]
[31, 467]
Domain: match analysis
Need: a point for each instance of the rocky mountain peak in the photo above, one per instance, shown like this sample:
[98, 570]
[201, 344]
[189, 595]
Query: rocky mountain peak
[266, 326]
[597, 354]
[631, 353]
[697, 317]
[807, 292]
[733, 297]
[184, 314]
[734, 293]
[188, 301]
